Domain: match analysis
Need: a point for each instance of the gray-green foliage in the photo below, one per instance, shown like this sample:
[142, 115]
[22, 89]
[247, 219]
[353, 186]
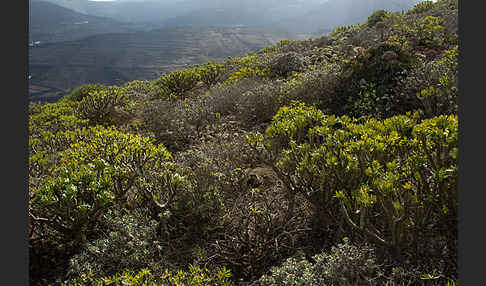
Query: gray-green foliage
[346, 264]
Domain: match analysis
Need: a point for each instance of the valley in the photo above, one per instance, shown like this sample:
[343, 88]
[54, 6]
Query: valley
[115, 58]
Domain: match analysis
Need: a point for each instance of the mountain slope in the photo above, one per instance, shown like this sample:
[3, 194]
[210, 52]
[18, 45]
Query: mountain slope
[52, 23]
[116, 58]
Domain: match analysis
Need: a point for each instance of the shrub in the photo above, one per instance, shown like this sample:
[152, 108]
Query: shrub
[283, 64]
[137, 90]
[434, 84]
[223, 99]
[247, 73]
[169, 124]
[261, 225]
[211, 73]
[317, 86]
[85, 90]
[98, 171]
[195, 276]
[98, 106]
[259, 104]
[380, 67]
[346, 264]
[421, 7]
[128, 241]
[375, 17]
[54, 117]
[387, 177]
[177, 83]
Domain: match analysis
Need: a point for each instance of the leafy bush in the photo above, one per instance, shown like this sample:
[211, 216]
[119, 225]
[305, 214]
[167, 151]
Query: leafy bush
[346, 264]
[247, 73]
[195, 276]
[380, 67]
[282, 65]
[390, 178]
[434, 84]
[98, 107]
[375, 17]
[98, 171]
[137, 90]
[177, 83]
[53, 118]
[128, 241]
[85, 90]
[211, 73]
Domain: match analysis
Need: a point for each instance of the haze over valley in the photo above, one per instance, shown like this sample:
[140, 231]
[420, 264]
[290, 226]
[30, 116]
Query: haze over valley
[75, 42]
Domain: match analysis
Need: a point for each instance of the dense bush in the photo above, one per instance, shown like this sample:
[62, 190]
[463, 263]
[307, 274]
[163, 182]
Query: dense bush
[434, 84]
[282, 65]
[99, 106]
[127, 241]
[176, 84]
[195, 276]
[98, 171]
[167, 121]
[376, 17]
[211, 73]
[370, 77]
[259, 104]
[83, 91]
[346, 264]
[389, 178]
[53, 118]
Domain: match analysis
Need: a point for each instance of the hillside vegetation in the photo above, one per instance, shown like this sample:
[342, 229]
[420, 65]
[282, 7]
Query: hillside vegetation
[326, 161]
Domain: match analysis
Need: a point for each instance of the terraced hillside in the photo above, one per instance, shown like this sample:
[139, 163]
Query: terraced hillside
[57, 68]
[52, 23]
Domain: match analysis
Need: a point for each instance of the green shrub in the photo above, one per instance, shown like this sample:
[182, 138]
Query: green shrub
[54, 117]
[176, 84]
[348, 264]
[137, 90]
[247, 73]
[96, 172]
[434, 84]
[375, 17]
[387, 177]
[98, 106]
[194, 276]
[85, 90]
[380, 67]
[211, 73]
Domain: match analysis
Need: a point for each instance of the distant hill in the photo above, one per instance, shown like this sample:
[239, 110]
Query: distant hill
[130, 10]
[296, 16]
[334, 13]
[117, 58]
[49, 22]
